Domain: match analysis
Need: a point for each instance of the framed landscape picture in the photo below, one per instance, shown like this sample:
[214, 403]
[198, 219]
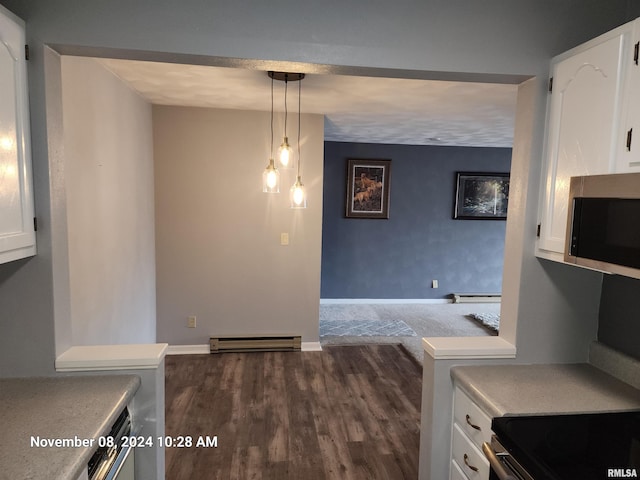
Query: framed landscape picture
[368, 188]
[481, 196]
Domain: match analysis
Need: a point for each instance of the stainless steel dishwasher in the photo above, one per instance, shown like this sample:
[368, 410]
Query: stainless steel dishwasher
[114, 458]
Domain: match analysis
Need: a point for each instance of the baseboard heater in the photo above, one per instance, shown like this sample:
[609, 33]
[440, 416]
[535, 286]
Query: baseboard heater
[477, 297]
[256, 343]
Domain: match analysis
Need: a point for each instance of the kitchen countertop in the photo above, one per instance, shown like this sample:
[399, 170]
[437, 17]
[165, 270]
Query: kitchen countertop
[57, 408]
[545, 389]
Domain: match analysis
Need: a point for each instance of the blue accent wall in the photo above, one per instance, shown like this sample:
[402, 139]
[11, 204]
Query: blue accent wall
[400, 256]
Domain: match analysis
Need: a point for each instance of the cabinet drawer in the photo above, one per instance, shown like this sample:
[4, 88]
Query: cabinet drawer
[470, 460]
[456, 472]
[468, 415]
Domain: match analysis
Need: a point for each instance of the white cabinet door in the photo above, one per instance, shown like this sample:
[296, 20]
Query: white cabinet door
[582, 126]
[629, 139]
[17, 236]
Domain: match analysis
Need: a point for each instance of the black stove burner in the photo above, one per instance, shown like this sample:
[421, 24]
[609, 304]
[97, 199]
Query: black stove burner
[574, 447]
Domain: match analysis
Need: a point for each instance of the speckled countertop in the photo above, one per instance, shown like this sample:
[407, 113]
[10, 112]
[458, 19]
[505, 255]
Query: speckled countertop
[545, 389]
[57, 408]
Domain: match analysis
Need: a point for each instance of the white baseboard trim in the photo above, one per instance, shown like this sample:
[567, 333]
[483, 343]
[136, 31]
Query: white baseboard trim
[311, 347]
[188, 349]
[200, 349]
[338, 301]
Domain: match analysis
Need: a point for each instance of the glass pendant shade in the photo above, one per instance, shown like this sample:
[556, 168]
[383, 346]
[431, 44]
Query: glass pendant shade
[298, 195]
[271, 178]
[285, 154]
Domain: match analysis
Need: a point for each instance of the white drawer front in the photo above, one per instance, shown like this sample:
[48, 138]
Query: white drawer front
[468, 415]
[456, 472]
[471, 461]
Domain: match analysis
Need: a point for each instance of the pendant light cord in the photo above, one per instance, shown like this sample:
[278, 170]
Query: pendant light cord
[286, 82]
[299, 91]
[271, 151]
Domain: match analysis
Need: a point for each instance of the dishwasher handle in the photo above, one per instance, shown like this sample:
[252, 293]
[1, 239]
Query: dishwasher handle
[496, 465]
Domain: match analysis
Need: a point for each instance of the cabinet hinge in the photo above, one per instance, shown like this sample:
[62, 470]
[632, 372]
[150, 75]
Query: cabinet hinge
[636, 51]
[35, 224]
[538, 230]
[26, 52]
[629, 134]
[551, 84]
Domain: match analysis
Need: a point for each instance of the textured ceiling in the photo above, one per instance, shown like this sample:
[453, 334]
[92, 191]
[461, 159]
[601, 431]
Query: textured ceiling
[356, 109]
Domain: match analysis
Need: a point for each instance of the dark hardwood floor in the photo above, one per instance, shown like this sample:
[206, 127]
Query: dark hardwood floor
[348, 412]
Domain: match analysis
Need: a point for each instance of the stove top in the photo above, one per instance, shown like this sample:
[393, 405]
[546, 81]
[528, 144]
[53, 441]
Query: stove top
[574, 447]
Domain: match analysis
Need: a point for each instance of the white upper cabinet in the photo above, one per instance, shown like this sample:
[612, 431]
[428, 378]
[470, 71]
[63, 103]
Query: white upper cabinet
[628, 159]
[17, 235]
[586, 104]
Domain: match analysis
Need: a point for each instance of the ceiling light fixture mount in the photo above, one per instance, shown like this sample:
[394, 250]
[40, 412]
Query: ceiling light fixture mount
[286, 76]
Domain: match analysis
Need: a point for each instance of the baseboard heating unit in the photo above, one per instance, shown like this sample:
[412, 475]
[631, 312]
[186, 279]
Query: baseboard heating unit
[256, 343]
[477, 297]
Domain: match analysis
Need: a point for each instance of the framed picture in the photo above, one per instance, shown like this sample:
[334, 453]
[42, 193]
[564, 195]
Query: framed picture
[481, 196]
[368, 188]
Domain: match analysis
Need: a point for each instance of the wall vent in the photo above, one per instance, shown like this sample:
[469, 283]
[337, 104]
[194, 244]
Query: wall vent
[256, 343]
[477, 297]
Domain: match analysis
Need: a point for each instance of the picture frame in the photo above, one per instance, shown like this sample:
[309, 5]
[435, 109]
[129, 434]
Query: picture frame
[368, 183]
[481, 196]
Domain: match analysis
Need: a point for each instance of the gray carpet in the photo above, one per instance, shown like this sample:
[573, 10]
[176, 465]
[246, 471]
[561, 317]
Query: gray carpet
[426, 320]
[489, 320]
[365, 328]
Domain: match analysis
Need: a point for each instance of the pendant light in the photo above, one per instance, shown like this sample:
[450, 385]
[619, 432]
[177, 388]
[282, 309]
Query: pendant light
[297, 193]
[271, 175]
[285, 152]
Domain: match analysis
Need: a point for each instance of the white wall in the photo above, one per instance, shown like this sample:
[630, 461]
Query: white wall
[108, 154]
[218, 251]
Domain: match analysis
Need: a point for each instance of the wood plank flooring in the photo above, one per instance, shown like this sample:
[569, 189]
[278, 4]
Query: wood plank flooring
[348, 412]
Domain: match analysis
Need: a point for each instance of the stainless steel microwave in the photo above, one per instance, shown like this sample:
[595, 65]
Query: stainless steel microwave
[603, 225]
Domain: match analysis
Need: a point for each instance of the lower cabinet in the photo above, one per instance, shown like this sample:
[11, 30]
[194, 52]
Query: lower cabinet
[471, 427]
[456, 473]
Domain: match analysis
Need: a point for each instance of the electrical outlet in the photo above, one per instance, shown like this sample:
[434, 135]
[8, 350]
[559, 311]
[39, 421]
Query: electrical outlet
[284, 239]
[434, 283]
[191, 322]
